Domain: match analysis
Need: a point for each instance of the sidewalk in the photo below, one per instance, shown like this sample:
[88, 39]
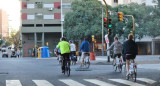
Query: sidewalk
[140, 59]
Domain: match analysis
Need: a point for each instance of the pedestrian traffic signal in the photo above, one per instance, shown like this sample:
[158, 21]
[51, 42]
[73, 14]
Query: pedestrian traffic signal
[109, 31]
[105, 22]
[92, 37]
[109, 23]
[120, 16]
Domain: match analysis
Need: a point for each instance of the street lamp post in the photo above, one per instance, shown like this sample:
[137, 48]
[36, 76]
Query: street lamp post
[102, 35]
[61, 21]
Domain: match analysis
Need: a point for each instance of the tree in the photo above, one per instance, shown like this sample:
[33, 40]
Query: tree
[143, 17]
[15, 38]
[84, 20]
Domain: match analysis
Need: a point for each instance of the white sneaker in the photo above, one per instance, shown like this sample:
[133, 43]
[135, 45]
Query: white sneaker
[127, 73]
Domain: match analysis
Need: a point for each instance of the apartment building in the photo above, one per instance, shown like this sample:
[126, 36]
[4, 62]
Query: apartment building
[41, 23]
[4, 27]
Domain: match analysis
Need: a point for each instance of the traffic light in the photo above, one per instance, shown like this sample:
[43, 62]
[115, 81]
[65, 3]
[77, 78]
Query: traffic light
[105, 22]
[120, 16]
[109, 31]
[109, 23]
[92, 37]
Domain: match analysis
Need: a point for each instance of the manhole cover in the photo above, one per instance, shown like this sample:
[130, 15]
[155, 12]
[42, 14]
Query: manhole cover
[3, 72]
[83, 69]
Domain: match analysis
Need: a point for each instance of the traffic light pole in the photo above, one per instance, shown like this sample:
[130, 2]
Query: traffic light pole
[102, 35]
[107, 28]
[106, 8]
[133, 24]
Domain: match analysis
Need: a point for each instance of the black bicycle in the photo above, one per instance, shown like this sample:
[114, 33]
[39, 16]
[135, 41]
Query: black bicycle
[67, 67]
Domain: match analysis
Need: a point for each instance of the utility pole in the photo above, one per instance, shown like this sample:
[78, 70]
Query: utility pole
[102, 35]
[61, 20]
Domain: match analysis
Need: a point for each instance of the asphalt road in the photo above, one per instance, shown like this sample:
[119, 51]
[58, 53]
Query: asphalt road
[47, 72]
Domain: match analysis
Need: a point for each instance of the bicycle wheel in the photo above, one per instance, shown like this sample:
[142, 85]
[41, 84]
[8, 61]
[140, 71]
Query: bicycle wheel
[120, 68]
[134, 76]
[127, 77]
[87, 64]
[115, 68]
[68, 71]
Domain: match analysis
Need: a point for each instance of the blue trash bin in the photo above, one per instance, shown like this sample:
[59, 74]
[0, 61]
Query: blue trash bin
[45, 52]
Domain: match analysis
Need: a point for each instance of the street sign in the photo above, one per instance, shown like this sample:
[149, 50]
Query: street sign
[106, 38]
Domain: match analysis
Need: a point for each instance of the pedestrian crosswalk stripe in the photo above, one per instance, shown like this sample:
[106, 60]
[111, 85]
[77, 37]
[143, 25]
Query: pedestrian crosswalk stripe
[146, 80]
[42, 83]
[13, 83]
[98, 82]
[71, 82]
[126, 82]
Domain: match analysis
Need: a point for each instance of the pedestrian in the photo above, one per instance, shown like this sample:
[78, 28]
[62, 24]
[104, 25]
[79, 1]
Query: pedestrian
[117, 50]
[130, 50]
[18, 52]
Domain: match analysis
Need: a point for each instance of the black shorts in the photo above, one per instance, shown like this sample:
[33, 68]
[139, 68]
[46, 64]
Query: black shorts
[128, 57]
[115, 55]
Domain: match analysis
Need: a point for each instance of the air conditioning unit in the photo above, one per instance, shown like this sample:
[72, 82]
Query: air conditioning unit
[50, 9]
[38, 2]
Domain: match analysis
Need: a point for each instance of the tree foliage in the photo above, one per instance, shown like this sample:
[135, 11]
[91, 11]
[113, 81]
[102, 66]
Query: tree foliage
[84, 20]
[145, 21]
[15, 38]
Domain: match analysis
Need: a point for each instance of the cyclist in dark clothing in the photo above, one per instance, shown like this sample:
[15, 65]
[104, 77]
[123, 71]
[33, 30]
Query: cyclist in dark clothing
[130, 50]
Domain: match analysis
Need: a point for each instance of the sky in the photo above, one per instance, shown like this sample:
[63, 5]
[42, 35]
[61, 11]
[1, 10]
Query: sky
[12, 7]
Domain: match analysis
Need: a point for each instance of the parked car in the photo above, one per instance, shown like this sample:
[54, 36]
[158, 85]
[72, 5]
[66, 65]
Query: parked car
[4, 53]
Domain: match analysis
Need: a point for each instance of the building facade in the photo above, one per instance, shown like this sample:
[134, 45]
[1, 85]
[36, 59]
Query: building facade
[41, 23]
[4, 27]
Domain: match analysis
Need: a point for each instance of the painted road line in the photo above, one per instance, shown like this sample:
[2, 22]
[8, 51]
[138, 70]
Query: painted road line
[71, 82]
[146, 80]
[98, 82]
[13, 83]
[126, 82]
[42, 83]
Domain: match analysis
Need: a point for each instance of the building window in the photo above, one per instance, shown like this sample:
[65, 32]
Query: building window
[39, 25]
[30, 36]
[115, 1]
[51, 25]
[39, 37]
[30, 17]
[39, 4]
[27, 25]
[48, 16]
[66, 5]
[30, 5]
[48, 5]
